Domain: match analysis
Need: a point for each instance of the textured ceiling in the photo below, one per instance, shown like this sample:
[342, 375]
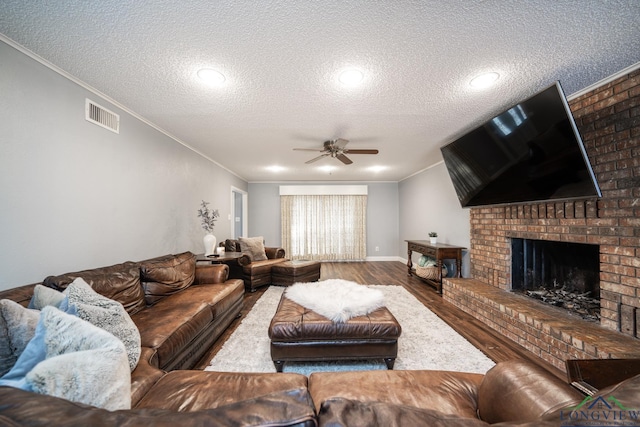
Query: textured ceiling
[281, 60]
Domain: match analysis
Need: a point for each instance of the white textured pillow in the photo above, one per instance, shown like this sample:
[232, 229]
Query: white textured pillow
[44, 296]
[107, 314]
[17, 327]
[74, 360]
[254, 247]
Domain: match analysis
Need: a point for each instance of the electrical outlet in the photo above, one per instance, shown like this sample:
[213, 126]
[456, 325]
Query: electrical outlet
[377, 248]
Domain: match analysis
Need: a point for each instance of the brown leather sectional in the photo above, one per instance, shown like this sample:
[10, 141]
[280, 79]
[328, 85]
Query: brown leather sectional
[196, 303]
[180, 309]
[512, 393]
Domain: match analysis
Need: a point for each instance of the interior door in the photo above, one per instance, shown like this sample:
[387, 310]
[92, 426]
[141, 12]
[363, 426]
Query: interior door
[238, 213]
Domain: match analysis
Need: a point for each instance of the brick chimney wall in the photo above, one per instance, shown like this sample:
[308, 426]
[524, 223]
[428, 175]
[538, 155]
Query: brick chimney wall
[609, 121]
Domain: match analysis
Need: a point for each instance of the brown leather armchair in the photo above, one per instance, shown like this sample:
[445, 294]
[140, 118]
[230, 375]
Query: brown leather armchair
[254, 273]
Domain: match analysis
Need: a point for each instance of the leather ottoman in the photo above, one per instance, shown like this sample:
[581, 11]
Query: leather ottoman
[289, 272]
[300, 334]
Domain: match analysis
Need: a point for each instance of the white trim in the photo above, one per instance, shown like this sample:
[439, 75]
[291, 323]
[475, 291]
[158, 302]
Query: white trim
[423, 170]
[95, 91]
[385, 258]
[604, 81]
[323, 190]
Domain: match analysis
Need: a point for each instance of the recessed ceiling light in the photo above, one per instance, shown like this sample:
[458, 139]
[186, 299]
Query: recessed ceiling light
[275, 168]
[351, 77]
[376, 169]
[211, 77]
[484, 80]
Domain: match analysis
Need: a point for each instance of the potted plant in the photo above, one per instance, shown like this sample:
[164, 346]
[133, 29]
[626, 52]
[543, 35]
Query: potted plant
[433, 237]
[208, 218]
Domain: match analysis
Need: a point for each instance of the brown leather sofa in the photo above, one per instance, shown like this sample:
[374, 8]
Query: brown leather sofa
[196, 302]
[180, 309]
[511, 394]
[254, 273]
[514, 393]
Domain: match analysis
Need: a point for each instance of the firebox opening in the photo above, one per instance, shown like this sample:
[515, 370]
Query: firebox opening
[562, 274]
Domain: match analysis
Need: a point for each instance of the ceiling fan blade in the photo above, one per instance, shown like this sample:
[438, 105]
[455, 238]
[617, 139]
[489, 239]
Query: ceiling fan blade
[308, 149]
[344, 159]
[316, 158]
[341, 142]
[361, 151]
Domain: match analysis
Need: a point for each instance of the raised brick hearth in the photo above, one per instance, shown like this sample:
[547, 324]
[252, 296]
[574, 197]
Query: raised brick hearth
[548, 332]
[609, 121]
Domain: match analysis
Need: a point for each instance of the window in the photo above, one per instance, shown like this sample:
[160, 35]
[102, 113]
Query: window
[324, 227]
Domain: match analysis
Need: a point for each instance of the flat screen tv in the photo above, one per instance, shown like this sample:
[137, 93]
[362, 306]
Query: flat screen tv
[529, 153]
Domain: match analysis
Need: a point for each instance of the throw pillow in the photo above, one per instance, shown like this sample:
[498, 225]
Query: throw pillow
[254, 247]
[44, 296]
[74, 360]
[107, 314]
[17, 327]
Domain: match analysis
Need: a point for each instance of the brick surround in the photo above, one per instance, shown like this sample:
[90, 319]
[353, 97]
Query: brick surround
[609, 121]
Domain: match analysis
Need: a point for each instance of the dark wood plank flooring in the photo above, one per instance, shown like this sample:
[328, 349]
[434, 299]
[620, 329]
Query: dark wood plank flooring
[492, 344]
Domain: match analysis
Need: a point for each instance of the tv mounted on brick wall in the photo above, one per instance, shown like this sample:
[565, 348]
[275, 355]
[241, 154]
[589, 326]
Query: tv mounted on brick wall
[531, 152]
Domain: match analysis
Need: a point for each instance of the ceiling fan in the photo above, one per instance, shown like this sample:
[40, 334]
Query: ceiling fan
[336, 149]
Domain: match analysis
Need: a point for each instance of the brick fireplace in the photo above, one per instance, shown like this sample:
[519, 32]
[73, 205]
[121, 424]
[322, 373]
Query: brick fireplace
[609, 121]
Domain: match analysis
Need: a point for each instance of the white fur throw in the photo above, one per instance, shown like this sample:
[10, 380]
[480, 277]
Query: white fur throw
[336, 299]
[83, 363]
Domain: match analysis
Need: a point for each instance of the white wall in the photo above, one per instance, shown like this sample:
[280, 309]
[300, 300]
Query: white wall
[74, 195]
[382, 215]
[428, 202]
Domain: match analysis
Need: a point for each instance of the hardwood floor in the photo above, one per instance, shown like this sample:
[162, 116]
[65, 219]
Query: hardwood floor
[492, 344]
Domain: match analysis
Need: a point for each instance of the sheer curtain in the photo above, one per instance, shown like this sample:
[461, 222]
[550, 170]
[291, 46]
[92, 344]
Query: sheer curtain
[324, 227]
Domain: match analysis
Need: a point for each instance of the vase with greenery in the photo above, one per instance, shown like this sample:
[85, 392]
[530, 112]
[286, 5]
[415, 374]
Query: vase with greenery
[208, 218]
[433, 237]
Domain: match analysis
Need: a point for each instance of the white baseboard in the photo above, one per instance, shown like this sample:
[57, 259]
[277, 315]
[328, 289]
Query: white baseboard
[386, 258]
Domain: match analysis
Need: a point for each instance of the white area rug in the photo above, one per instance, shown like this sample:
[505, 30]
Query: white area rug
[427, 342]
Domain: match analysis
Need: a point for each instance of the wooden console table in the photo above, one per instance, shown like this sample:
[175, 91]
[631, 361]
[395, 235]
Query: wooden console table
[438, 251]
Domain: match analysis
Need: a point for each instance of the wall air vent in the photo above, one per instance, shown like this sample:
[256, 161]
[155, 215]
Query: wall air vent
[100, 116]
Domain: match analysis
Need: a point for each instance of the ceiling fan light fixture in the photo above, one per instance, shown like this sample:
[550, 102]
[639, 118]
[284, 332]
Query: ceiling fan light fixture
[485, 80]
[211, 76]
[351, 77]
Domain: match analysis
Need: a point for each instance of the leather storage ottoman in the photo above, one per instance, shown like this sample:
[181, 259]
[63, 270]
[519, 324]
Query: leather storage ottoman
[300, 334]
[289, 272]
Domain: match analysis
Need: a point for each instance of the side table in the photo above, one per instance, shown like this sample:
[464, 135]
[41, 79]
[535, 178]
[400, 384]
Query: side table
[591, 375]
[221, 259]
